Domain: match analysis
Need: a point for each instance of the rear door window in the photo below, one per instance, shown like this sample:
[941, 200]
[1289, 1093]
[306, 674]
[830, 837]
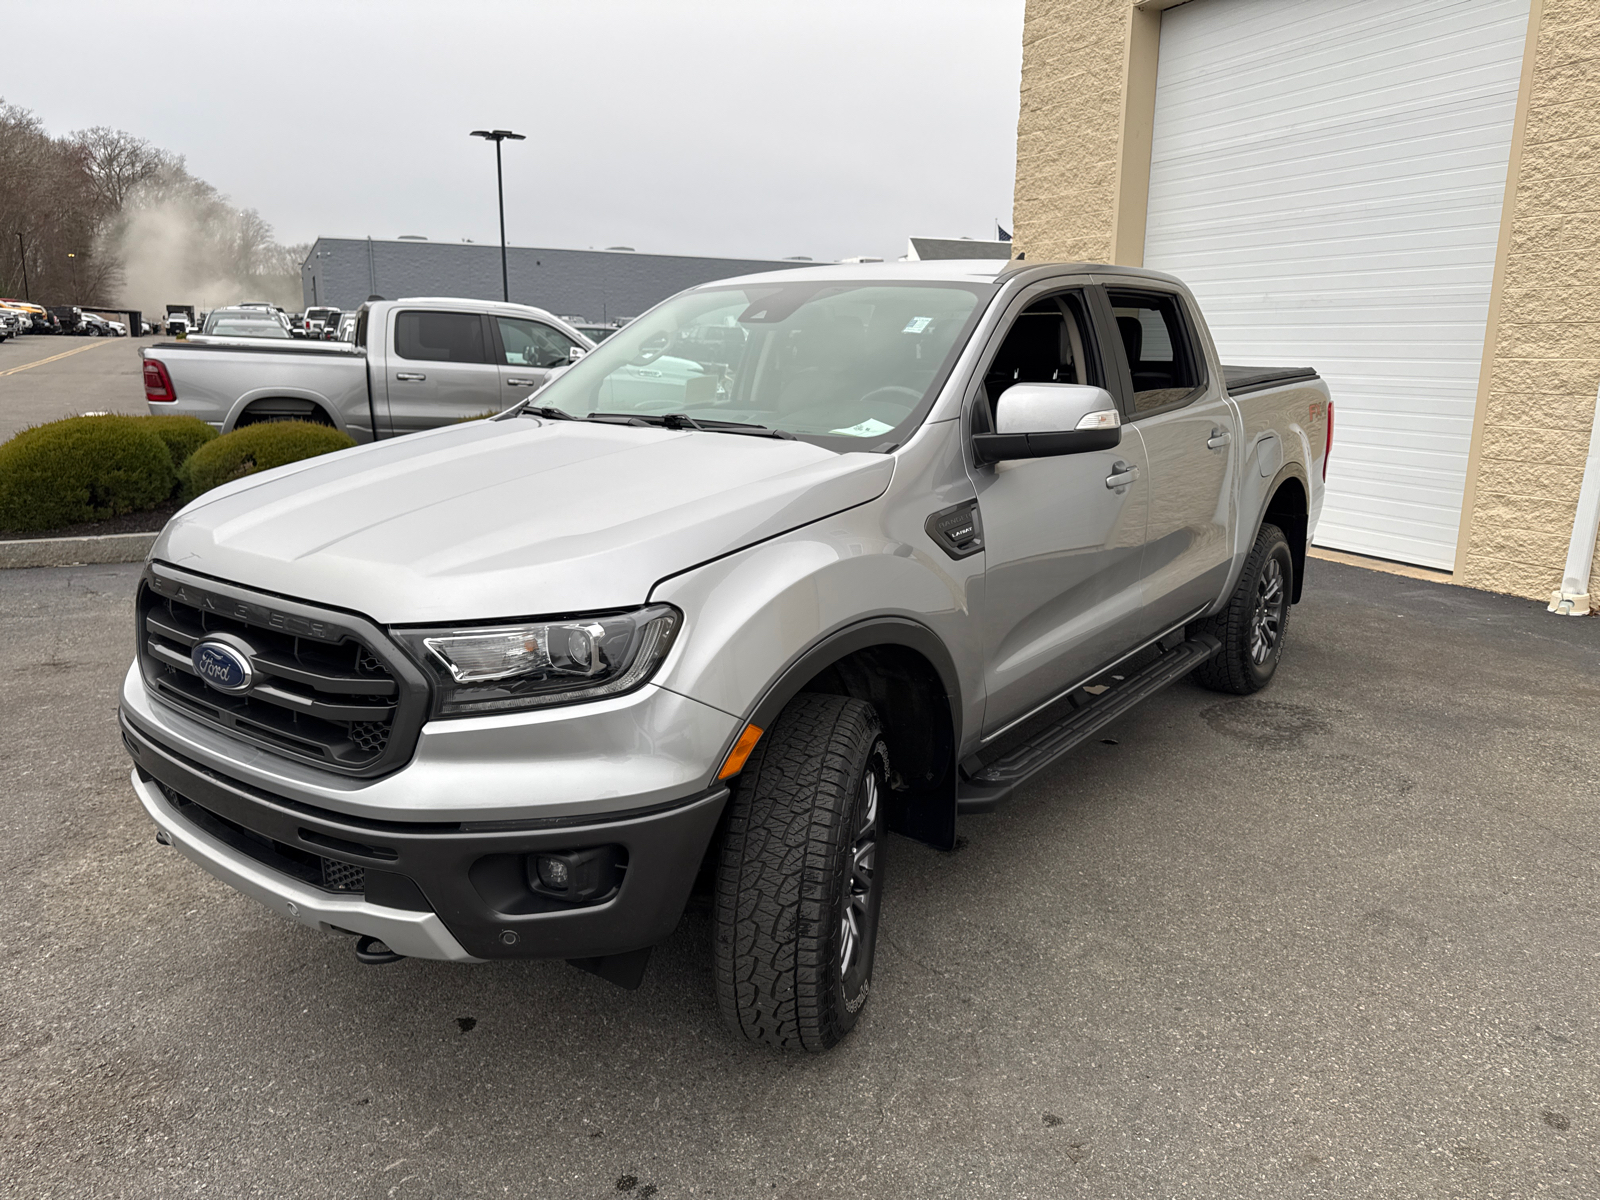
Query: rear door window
[440, 337]
[1162, 360]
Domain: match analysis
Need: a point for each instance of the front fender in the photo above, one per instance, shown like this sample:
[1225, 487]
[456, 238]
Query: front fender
[752, 615]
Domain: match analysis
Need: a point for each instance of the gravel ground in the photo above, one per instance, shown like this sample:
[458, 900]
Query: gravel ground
[1337, 940]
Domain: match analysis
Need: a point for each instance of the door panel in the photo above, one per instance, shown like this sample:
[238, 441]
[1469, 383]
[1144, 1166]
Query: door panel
[439, 370]
[1063, 551]
[1190, 431]
[1189, 550]
[1063, 568]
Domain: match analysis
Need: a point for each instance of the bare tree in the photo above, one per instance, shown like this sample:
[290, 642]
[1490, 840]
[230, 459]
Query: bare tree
[118, 162]
[106, 218]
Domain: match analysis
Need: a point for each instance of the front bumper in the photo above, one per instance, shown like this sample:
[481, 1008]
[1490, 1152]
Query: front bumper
[438, 889]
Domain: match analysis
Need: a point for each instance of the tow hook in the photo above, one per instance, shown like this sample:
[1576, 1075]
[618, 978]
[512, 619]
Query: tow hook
[374, 952]
[163, 838]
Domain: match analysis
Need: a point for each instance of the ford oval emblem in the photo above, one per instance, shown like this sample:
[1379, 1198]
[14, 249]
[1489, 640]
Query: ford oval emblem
[222, 667]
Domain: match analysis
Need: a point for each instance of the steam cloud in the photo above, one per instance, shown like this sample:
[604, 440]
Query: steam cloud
[185, 249]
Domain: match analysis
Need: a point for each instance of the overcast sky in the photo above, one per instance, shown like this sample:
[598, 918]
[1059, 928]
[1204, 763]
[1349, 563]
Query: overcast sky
[744, 128]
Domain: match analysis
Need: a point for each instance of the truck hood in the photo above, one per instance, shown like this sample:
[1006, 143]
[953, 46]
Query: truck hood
[510, 518]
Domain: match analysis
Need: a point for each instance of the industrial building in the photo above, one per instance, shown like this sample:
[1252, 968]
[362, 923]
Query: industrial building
[595, 286]
[1400, 193]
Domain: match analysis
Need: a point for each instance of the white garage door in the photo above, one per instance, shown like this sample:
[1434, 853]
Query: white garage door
[1327, 175]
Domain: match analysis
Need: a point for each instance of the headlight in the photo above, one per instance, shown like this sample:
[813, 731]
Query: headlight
[503, 667]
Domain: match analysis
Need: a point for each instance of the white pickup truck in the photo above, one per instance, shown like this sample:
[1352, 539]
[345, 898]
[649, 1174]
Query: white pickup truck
[415, 364]
[787, 563]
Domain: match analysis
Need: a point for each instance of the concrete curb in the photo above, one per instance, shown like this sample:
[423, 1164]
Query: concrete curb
[74, 551]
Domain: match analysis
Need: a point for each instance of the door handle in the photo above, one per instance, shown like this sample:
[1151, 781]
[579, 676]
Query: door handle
[521, 382]
[1121, 475]
[1218, 439]
[410, 376]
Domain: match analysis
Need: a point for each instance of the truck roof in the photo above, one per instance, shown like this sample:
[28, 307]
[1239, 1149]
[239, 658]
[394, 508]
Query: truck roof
[954, 270]
[511, 309]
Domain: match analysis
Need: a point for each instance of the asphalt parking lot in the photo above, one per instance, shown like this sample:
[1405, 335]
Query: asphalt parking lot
[44, 378]
[1338, 940]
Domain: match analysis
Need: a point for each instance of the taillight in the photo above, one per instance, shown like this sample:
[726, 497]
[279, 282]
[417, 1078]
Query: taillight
[157, 383]
[1328, 448]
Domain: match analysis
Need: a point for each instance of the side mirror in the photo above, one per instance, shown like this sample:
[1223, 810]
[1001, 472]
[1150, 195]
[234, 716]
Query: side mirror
[1041, 420]
[574, 353]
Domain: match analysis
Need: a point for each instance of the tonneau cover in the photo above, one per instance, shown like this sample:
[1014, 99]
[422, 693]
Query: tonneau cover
[1254, 379]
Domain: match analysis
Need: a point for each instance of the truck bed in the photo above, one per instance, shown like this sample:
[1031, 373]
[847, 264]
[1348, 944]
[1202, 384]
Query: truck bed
[258, 345]
[1240, 380]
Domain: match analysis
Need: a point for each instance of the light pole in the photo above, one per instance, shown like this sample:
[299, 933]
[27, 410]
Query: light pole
[74, 259]
[497, 136]
[22, 254]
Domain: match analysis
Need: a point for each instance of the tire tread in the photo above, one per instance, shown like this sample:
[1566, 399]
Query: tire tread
[1226, 671]
[789, 816]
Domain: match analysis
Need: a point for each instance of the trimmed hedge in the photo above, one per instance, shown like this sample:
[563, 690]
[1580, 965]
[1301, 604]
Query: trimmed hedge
[82, 469]
[257, 448]
[183, 435]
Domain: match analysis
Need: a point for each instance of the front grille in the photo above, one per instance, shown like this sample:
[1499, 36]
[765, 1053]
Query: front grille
[327, 689]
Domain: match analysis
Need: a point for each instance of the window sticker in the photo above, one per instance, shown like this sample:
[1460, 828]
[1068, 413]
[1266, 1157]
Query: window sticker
[917, 325]
[871, 427]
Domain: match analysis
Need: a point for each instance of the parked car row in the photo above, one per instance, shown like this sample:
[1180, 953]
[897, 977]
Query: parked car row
[22, 316]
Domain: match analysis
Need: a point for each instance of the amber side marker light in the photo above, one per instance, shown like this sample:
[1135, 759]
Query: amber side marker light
[741, 751]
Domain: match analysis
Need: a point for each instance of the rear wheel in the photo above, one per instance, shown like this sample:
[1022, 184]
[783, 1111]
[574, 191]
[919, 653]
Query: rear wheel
[800, 877]
[1252, 624]
[263, 412]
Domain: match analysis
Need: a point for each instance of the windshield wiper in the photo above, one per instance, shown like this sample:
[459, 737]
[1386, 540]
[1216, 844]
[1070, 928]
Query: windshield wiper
[522, 407]
[685, 421]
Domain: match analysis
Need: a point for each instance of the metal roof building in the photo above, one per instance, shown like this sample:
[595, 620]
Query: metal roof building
[594, 285]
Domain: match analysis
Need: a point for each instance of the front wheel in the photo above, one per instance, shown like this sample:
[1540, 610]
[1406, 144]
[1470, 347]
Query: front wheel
[1251, 625]
[800, 879]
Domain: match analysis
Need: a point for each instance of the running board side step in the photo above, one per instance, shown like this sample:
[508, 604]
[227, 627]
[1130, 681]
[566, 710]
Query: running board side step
[986, 785]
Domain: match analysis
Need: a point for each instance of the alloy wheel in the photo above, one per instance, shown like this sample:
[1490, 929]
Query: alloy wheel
[860, 878]
[1266, 623]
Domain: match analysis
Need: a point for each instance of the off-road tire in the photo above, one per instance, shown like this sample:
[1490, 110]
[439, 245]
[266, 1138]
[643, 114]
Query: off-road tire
[1236, 668]
[788, 865]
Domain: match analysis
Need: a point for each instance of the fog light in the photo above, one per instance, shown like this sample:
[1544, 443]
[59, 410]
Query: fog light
[553, 872]
[577, 876]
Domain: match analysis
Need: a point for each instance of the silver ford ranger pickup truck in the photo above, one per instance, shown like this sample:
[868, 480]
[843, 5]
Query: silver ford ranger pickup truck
[791, 562]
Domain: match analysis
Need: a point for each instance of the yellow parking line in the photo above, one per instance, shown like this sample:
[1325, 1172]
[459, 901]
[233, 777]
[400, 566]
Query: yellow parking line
[55, 357]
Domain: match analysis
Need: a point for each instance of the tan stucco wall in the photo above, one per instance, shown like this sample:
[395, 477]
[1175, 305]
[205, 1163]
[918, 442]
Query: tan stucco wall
[1545, 366]
[1087, 97]
[1069, 129]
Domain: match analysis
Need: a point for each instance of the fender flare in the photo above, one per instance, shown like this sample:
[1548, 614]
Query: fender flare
[1297, 472]
[242, 404]
[830, 648]
[927, 813]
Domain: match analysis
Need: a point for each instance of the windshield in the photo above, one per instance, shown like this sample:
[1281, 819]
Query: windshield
[840, 364]
[245, 327]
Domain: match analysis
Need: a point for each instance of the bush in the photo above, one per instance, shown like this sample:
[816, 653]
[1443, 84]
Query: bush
[183, 435]
[82, 469]
[257, 448]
